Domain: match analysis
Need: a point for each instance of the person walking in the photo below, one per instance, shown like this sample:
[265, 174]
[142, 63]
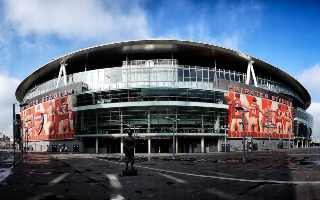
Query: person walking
[129, 144]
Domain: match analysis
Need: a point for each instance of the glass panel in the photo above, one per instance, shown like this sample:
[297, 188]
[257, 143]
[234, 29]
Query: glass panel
[186, 75]
[199, 75]
[180, 74]
[193, 74]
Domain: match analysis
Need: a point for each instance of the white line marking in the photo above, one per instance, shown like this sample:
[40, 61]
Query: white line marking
[117, 197]
[41, 196]
[178, 180]
[223, 178]
[303, 154]
[58, 179]
[5, 172]
[114, 181]
[221, 194]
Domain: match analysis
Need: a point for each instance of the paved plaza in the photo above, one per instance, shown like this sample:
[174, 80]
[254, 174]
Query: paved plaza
[291, 174]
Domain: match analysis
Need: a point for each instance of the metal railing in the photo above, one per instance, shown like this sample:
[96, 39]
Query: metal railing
[157, 73]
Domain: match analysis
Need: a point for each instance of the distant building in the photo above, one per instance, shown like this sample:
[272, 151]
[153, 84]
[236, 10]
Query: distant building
[4, 141]
[202, 94]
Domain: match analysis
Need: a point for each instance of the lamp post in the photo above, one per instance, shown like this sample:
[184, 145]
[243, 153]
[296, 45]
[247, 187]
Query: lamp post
[14, 132]
[174, 129]
[225, 138]
[243, 110]
[270, 126]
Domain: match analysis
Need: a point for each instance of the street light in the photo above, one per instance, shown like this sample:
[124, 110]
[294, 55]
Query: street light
[225, 138]
[174, 129]
[270, 125]
[243, 110]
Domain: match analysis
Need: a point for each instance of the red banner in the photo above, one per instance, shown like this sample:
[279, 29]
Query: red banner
[258, 117]
[53, 119]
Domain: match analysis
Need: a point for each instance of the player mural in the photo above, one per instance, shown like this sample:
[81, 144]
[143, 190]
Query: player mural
[256, 114]
[52, 119]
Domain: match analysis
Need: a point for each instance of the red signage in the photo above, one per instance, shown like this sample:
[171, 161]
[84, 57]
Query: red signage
[259, 115]
[53, 119]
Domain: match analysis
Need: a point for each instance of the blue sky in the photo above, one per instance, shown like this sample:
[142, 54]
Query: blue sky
[283, 33]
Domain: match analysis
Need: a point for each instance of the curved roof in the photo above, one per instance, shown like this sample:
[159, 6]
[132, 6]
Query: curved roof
[189, 53]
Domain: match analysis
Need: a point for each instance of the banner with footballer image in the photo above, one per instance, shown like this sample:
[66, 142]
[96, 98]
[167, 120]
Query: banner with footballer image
[253, 113]
[49, 120]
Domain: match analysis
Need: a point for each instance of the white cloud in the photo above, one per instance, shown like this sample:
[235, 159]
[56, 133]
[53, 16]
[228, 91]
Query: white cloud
[310, 78]
[8, 86]
[314, 109]
[223, 23]
[232, 41]
[78, 19]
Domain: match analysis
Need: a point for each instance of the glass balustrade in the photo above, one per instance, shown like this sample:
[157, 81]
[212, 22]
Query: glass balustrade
[157, 73]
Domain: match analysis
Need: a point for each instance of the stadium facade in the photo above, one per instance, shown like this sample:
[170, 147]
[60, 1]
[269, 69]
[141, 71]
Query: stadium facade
[191, 96]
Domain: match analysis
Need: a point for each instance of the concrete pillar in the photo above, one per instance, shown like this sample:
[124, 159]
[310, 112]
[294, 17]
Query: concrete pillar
[219, 145]
[149, 146]
[202, 124]
[306, 144]
[302, 144]
[177, 144]
[97, 145]
[202, 144]
[190, 148]
[121, 123]
[121, 145]
[148, 130]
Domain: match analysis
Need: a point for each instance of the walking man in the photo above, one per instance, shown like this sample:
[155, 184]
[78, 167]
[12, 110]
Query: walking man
[129, 144]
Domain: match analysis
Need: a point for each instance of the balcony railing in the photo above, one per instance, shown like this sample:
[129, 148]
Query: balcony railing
[158, 73]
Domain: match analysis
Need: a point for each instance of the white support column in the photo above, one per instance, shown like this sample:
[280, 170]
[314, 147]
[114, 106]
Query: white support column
[253, 74]
[219, 145]
[62, 72]
[305, 144]
[121, 146]
[149, 122]
[202, 144]
[302, 144]
[97, 145]
[149, 146]
[177, 144]
[250, 71]
[121, 123]
[248, 74]
[59, 77]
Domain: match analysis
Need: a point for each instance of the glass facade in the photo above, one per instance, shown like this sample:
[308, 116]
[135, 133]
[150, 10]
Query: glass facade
[155, 80]
[156, 98]
[148, 94]
[157, 119]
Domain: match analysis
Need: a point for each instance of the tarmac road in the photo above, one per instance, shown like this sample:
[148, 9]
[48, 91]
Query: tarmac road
[208, 176]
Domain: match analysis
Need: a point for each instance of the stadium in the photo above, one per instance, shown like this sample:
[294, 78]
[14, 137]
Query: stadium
[175, 96]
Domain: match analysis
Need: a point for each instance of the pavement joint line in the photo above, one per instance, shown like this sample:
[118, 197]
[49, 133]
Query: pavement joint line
[223, 178]
[303, 154]
[221, 194]
[178, 180]
[58, 179]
